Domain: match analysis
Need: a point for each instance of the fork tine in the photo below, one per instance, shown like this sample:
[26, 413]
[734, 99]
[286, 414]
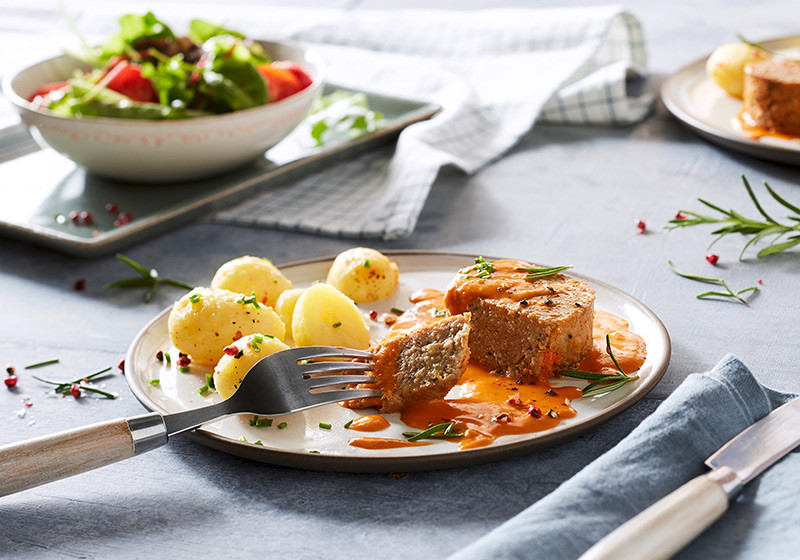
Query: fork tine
[334, 380]
[315, 399]
[332, 367]
[314, 352]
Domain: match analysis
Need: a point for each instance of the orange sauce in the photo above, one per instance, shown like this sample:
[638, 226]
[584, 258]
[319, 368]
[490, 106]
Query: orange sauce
[369, 423]
[383, 443]
[755, 132]
[485, 406]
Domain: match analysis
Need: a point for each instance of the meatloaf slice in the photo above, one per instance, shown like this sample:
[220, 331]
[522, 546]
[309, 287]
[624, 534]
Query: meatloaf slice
[523, 326]
[422, 364]
[772, 96]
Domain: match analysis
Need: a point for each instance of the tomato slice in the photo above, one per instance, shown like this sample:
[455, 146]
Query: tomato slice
[281, 83]
[297, 70]
[129, 82]
[44, 90]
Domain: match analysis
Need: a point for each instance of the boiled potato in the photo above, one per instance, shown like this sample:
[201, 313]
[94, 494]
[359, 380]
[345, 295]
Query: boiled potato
[324, 315]
[246, 275]
[726, 65]
[232, 368]
[285, 307]
[206, 320]
[364, 275]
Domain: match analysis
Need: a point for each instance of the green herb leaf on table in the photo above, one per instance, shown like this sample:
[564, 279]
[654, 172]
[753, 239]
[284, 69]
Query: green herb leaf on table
[728, 293]
[63, 387]
[734, 222]
[149, 279]
[443, 430]
[601, 383]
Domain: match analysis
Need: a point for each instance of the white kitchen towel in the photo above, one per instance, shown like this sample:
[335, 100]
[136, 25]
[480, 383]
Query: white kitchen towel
[494, 72]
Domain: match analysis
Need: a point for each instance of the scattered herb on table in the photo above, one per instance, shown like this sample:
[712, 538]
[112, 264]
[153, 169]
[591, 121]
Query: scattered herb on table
[75, 386]
[40, 364]
[147, 279]
[734, 222]
[728, 293]
[600, 382]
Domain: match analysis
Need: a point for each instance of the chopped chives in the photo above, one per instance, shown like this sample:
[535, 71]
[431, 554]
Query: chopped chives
[202, 390]
[337, 324]
[184, 369]
[313, 451]
[40, 364]
[282, 425]
[347, 424]
[258, 443]
[324, 426]
[167, 357]
[155, 382]
[397, 311]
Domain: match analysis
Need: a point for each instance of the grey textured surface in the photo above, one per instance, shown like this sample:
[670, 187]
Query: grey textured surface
[564, 194]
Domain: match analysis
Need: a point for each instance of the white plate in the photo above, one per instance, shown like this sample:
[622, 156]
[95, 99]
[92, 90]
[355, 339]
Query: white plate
[293, 445]
[695, 100]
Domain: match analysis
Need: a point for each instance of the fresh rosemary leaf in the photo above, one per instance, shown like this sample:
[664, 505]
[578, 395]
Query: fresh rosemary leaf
[148, 278]
[542, 272]
[430, 431]
[601, 382]
[732, 221]
[728, 293]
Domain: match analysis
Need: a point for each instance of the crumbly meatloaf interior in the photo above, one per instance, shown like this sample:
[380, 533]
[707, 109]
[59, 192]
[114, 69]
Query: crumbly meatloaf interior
[422, 364]
[772, 96]
[524, 327]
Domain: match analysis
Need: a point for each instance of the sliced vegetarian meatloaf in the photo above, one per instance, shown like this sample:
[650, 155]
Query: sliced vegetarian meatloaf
[772, 96]
[523, 326]
[422, 364]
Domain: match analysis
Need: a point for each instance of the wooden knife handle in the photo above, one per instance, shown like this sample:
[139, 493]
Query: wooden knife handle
[667, 526]
[45, 459]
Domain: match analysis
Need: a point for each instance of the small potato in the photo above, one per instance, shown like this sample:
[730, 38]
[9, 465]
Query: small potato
[285, 307]
[231, 369]
[364, 275]
[726, 65]
[206, 320]
[324, 315]
[246, 275]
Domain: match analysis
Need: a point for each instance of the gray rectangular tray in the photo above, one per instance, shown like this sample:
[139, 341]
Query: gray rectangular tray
[37, 185]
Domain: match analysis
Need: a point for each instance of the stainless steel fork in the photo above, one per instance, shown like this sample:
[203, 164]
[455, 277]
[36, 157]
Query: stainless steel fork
[284, 382]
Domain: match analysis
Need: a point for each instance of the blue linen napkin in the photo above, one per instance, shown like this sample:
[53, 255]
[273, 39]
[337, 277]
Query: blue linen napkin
[661, 454]
[494, 72]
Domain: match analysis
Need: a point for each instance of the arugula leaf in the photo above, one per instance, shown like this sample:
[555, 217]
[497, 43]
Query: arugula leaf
[201, 31]
[170, 79]
[133, 28]
[343, 115]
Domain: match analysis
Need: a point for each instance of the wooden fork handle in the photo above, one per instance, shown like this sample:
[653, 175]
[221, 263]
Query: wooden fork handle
[52, 457]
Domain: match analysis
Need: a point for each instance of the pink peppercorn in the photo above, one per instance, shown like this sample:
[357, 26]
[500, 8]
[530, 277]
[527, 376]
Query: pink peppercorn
[231, 350]
[680, 215]
[10, 381]
[86, 218]
[184, 360]
[535, 411]
[373, 314]
[641, 226]
[75, 391]
[712, 258]
[111, 207]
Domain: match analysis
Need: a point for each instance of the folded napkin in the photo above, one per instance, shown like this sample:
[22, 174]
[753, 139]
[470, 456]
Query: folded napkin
[494, 72]
[661, 454]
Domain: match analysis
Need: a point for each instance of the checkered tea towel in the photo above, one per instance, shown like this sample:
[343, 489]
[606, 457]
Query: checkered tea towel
[494, 72]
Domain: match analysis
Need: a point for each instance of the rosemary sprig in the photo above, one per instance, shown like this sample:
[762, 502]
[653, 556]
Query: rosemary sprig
[63, 387]
[40, 364]
[734, 222]
[443, 430]
[535, 272]
[149, 278]
[601, 382]
[728, 293]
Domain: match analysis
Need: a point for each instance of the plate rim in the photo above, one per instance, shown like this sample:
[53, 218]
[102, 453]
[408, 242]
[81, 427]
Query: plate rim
[337, 463]
[718, 136]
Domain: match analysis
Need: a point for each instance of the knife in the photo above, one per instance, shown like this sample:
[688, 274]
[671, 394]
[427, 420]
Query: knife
[670, 524]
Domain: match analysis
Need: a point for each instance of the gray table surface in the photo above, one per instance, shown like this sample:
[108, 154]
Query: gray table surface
[564, 194]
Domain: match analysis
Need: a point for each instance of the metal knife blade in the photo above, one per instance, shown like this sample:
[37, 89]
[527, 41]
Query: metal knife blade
[761, 445]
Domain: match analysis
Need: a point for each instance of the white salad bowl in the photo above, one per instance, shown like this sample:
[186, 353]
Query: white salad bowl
[172, 150]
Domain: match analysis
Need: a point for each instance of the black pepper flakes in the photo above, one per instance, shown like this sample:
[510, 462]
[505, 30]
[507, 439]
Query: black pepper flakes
[551, 392]
[523, 302]
[548, 302]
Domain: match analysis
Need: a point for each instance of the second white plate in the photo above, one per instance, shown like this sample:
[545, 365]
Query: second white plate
[695, 100]
[303, 444]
